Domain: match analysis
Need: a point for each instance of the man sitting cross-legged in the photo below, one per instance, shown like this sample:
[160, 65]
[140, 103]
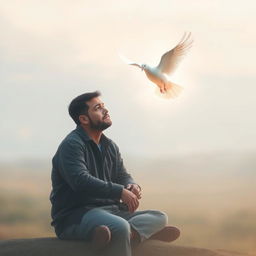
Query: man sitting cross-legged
[93, 197]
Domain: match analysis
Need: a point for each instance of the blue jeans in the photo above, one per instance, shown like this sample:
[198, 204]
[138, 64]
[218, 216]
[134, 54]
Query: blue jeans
[120, 222]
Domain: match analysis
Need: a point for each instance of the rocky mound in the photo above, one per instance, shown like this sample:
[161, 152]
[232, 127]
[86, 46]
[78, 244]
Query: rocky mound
[51, 246]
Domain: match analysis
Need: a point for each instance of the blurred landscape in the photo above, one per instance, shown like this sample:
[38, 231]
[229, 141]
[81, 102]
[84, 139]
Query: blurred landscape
[210, 197]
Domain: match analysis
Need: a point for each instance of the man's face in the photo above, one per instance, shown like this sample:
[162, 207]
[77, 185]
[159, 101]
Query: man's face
[98, 115]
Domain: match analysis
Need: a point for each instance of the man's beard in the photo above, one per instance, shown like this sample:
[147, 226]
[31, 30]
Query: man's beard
[99, 125]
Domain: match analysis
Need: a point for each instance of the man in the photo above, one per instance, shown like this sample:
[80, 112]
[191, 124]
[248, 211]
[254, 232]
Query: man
[93, 197]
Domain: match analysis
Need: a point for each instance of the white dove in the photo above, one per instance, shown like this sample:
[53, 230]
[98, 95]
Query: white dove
[169, 61]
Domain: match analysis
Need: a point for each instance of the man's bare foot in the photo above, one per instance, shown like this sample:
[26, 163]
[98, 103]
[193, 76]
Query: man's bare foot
[167, 234]
[101, 237]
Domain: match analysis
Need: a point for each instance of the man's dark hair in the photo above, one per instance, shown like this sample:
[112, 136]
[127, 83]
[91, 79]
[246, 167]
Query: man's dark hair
[78, 105]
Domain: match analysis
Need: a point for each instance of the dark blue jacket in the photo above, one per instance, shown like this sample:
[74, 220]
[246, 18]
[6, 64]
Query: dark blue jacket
[85, 176]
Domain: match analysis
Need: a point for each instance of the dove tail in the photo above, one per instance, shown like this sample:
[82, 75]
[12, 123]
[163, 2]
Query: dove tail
[173, 91]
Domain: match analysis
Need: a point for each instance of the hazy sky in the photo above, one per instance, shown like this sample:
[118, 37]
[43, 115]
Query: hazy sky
[52, 51]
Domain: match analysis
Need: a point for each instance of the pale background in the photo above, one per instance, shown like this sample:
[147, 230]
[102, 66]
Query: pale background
[52, 51]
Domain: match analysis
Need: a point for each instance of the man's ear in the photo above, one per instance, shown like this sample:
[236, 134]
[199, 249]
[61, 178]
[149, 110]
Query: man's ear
[84, 119]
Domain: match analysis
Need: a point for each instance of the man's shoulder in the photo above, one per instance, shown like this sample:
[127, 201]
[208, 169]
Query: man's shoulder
[72, 139]
[71, 145]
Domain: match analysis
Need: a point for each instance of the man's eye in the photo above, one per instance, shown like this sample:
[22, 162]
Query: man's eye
[99, 107]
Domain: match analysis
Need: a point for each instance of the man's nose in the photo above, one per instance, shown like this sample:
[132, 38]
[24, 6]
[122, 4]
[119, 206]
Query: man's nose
[105, 111]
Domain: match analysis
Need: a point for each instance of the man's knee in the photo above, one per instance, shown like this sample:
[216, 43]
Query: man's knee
[161, 218]
[120, 229]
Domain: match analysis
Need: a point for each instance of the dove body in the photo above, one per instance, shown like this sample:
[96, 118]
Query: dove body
[157, 77]
[167, 88]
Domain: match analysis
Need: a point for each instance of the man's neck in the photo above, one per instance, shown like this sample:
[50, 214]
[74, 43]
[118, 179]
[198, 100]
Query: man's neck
[95, 135]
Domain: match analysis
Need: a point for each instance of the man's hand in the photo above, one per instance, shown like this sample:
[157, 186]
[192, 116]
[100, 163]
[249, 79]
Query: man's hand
[130, 199]
[135, 189]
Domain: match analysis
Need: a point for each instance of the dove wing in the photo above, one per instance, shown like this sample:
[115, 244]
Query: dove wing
[129, 62]
[171, 59]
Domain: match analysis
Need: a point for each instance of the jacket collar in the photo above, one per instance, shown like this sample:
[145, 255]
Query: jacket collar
[86, 138]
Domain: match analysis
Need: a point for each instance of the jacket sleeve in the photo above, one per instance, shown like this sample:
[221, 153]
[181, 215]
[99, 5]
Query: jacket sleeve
[123, 177]
[73, 169]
